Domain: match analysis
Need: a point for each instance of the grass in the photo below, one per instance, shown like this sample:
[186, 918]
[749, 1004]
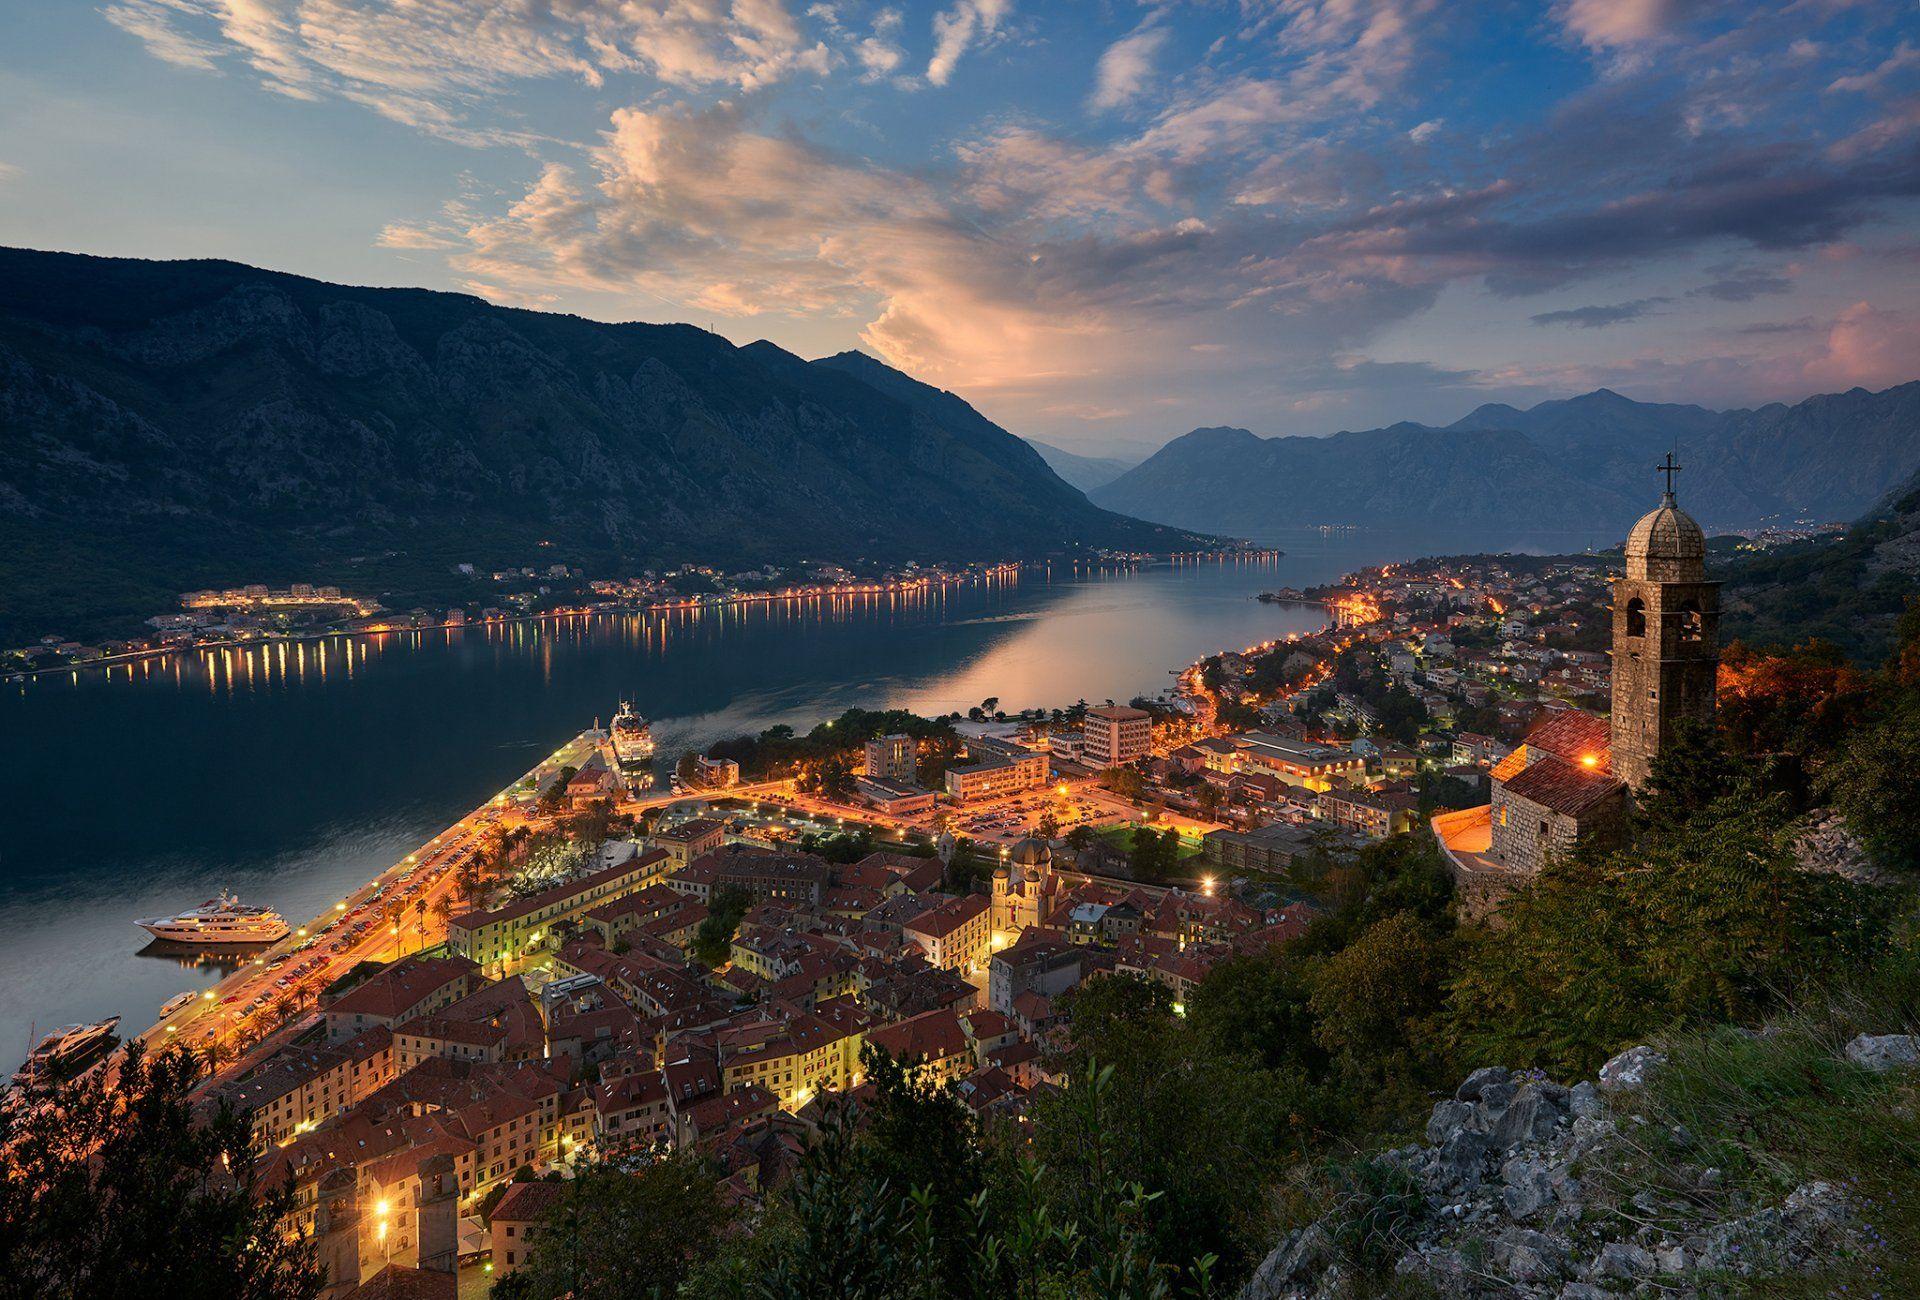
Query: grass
[1784, 1107]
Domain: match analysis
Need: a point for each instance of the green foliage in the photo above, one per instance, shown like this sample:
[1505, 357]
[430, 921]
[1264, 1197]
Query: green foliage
[117, 1191]
[624, 1236]
[1124, 781]
[1154, 855]
[714, 938]
[1374, 1002]
[1875, 783]
[1829, 589]
[780, 751]
[1708, 922]
[1182, 1115]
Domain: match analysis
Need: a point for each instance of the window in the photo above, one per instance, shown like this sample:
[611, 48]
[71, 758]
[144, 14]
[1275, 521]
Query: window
[1636, 617]
[1692, 626]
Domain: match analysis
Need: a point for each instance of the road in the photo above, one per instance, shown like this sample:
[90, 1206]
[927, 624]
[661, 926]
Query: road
[268, 995]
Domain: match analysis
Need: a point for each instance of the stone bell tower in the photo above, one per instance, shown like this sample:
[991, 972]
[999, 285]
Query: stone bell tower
[1666, 636]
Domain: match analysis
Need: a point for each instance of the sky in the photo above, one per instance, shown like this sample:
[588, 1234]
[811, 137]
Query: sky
[1104, 224]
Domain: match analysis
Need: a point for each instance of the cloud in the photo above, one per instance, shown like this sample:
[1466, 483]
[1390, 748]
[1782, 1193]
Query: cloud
[1741, 284]
[1905, 55]
[958, 29]
[1593, 318]
[1614, 24]
[1126, 68]
[432, 65]
[1425, 131]
[1869, 347]
[9, 172]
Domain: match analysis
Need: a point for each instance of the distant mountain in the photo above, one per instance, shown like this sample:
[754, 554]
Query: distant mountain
[1583, 463]
[165, 425]
[1084, 472]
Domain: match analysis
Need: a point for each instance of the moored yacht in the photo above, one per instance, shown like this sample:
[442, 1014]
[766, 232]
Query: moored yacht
[217, 921]
[632, 737]
[64, 1053]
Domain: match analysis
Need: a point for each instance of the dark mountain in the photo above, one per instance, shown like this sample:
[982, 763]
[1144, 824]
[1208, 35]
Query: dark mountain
[165, 425]
[1583, 463]
[1406, 474]
[1849, 590]
[1084, 472]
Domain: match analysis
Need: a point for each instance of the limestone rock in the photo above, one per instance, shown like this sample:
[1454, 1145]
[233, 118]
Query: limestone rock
[1631, 1070]
[1882, 1052]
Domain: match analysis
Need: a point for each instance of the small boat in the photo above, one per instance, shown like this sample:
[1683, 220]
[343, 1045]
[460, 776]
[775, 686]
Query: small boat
[65, 1053]
[219, 921]
[175, 1002]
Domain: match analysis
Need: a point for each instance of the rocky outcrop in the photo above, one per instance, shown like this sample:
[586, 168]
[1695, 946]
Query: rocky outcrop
[1825, 844]
[1528, 1188]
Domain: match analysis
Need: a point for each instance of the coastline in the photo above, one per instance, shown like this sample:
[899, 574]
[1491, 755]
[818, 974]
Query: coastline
[728, 600]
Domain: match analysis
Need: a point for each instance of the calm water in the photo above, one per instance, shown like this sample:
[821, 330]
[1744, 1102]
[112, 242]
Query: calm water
[290, 778]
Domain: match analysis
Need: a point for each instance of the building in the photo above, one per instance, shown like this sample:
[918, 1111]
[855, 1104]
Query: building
[505, 934]
[956, 935]
[997, 770]
[892, 797]
[1666, 637]
[1268, 849]
[717, 773]
[893, 758]
[1296, 762]
[516, 1220]
[1572, 778]
[1022, 886]
[398, 992]
[1371, 814]
[1115, 734]
[688, 840]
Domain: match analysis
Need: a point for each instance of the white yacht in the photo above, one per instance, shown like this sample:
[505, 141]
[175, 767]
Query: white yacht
[217, 921]
[64, 1053]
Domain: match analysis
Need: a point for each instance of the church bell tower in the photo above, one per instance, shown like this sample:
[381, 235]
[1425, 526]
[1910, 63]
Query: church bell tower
[1666, 636]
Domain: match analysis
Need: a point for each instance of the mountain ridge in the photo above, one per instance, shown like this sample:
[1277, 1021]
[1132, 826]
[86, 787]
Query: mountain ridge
[1580, 462]
[165, 425]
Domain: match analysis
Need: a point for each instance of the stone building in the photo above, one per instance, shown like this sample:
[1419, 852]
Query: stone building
[1572, 779]
[1666, 642]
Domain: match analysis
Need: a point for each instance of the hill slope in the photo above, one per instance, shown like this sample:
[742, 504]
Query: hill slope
[169, 424]
[1580, 463]
[1084, 472]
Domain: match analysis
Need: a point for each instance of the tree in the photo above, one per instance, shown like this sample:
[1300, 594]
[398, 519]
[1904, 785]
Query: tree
[1188, 1120]
[620, 1236]
[1714, 922]
[1373, 1000]
[1875, 784]
[116, 1190]
[1124, 781]
[714, 938]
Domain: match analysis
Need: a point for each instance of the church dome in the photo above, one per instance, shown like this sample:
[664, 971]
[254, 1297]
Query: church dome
[1031, 852]
[1667, 546]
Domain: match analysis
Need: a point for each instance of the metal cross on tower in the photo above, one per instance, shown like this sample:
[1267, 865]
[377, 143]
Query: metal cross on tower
[1668, 468]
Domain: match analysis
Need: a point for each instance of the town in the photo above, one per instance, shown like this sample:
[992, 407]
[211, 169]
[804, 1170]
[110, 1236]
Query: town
[252, 614]
[589, 969]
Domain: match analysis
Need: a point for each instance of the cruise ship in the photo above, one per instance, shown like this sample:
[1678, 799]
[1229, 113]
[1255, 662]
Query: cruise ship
[218, 921]
[64, 1053]
[632, 737]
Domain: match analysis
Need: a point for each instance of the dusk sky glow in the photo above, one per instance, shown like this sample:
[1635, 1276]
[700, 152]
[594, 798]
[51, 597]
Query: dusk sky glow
[1102, 223]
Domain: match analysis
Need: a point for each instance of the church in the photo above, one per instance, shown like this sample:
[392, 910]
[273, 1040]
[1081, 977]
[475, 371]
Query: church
[1574, 776]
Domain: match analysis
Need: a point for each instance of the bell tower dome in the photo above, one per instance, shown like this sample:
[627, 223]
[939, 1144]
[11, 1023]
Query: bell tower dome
[1666, 635]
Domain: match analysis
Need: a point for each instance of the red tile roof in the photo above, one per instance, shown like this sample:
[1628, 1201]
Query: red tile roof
[1562, 787]
[1574, 735]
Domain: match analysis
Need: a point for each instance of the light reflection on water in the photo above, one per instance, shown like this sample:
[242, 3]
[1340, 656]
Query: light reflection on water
[291, 772]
